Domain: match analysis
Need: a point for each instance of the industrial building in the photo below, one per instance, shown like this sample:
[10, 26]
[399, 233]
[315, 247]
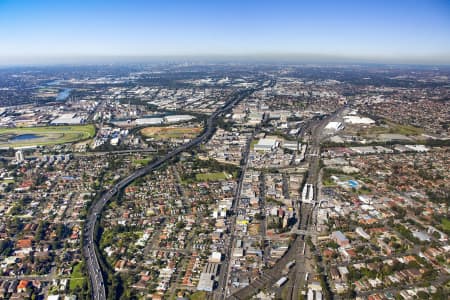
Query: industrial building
[67, 119]
[358, 120]
[149, 121]
[266, 145]
[178, 118]
[206, 282]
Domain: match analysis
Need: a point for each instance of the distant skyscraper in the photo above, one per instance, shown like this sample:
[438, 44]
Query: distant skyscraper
[19, 156]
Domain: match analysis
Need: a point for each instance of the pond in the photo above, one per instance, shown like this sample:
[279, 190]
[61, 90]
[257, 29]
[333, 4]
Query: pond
[25, 137]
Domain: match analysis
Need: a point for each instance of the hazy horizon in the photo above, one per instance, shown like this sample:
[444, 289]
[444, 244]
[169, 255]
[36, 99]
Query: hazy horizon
[54, 32]
[216, 58]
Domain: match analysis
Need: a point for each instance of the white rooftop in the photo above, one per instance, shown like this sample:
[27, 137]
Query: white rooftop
[149, 121]
[334, 126]
[266, 143]
[358, 120]
[67, 119]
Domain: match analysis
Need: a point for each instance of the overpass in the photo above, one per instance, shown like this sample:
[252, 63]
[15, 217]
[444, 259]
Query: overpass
[305, 232]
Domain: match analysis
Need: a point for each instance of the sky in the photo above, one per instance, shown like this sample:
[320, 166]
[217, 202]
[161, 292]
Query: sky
[378, 30]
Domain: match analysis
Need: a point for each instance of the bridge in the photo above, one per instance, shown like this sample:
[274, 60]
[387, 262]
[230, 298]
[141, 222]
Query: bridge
[305, 232]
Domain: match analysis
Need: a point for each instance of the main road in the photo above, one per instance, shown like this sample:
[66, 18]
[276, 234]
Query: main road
[90, 255]
[222, 289]
[298, 249]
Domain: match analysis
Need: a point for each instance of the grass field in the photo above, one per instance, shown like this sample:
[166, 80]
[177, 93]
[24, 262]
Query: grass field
[200, 295]
[405, 129]
[253, 143]
[142, 161]
[393, 128]
[76, 278]
[212, 176]
[7, 181]
[328, 182]
[49, 135]
[163, 133]
[446, 224]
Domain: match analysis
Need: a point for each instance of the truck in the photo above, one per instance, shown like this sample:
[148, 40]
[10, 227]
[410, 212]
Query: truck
[281, 281]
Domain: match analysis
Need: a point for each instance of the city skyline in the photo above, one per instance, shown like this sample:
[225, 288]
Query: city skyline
[110, 31]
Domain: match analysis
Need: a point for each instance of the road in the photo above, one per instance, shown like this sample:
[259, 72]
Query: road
[222, 290]
[89, 252]
[43, 278]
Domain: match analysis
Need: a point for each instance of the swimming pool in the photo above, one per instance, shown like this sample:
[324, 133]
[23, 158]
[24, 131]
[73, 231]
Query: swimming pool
[353, 183]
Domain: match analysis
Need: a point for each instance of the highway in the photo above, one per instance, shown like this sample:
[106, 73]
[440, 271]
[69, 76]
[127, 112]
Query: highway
[89, 253]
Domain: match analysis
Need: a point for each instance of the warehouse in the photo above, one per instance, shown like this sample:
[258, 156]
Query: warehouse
[266, 145]
[178, 118]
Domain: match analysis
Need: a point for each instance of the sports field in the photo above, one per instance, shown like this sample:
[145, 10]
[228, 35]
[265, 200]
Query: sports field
[163, 133]
[42, 136]
[216, 176]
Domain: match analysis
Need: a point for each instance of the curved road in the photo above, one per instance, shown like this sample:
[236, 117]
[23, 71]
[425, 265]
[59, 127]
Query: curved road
[92, 262]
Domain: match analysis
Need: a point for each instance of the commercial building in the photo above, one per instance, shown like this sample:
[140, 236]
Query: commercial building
[215, 257]
[19, 156]
[308, 193]
[334, 126]
[340, 238]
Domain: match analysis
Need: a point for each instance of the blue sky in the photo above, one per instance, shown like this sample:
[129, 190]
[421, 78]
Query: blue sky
[379, 30]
